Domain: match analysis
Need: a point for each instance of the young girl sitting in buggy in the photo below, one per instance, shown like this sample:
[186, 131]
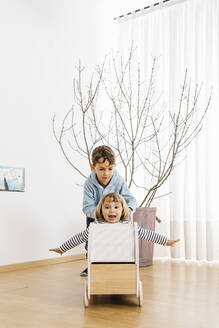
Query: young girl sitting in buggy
[112, 209]
[113, 258]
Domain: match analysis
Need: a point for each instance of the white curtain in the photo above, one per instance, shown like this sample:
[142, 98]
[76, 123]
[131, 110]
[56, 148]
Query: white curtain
[185, 34]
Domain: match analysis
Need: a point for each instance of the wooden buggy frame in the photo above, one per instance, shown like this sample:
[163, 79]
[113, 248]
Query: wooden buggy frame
[108, 274]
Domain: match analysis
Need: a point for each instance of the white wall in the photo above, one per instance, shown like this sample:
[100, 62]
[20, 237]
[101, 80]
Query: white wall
[41, 40]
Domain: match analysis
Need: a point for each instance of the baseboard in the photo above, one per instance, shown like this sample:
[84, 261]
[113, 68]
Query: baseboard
[40, 263]
[186, 261]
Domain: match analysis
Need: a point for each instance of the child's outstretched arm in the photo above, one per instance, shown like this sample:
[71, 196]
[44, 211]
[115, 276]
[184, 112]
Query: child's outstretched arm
[76, 240]
[155, 237]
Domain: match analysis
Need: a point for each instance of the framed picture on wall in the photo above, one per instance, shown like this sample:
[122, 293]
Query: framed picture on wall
[12, 178]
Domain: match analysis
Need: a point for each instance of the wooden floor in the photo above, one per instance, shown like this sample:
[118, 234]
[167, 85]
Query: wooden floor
[175, 295]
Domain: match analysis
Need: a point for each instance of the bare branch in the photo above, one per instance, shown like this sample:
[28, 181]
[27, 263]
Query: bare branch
[146, 138]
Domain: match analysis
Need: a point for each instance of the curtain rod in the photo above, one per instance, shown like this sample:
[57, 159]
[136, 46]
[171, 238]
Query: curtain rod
[137, 11]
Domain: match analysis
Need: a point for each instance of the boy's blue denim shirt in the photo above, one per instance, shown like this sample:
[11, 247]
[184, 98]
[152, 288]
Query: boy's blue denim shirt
[94, 191]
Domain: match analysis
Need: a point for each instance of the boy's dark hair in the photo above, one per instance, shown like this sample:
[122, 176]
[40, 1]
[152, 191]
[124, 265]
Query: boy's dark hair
[104, 152]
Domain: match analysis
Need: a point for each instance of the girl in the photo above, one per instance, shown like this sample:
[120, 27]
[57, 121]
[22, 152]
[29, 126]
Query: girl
[112, 209]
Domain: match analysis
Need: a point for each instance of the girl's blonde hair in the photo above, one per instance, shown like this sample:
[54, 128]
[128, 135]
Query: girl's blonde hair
[112, 197]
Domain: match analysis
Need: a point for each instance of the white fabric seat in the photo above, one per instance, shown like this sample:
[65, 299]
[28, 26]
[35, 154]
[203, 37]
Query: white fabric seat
[111, 243]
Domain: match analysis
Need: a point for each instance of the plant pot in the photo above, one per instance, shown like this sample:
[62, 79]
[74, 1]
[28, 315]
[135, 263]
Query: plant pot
[145, 217]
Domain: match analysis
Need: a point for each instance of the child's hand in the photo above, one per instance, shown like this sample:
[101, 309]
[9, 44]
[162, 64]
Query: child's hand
[57, 250]
[172, 242]
[130, 213]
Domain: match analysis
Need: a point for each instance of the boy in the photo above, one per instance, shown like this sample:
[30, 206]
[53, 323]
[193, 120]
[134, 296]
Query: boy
[103, 180]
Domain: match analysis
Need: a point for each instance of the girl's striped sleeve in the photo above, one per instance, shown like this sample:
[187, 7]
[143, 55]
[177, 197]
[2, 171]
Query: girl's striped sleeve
[150, 235]
[75, 240]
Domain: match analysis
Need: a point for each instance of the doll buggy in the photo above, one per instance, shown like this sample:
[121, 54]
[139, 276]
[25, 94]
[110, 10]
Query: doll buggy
[113, 261]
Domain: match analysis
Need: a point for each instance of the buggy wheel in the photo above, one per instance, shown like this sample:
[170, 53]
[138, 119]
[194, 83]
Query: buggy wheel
[85, 298]
[140, 297]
